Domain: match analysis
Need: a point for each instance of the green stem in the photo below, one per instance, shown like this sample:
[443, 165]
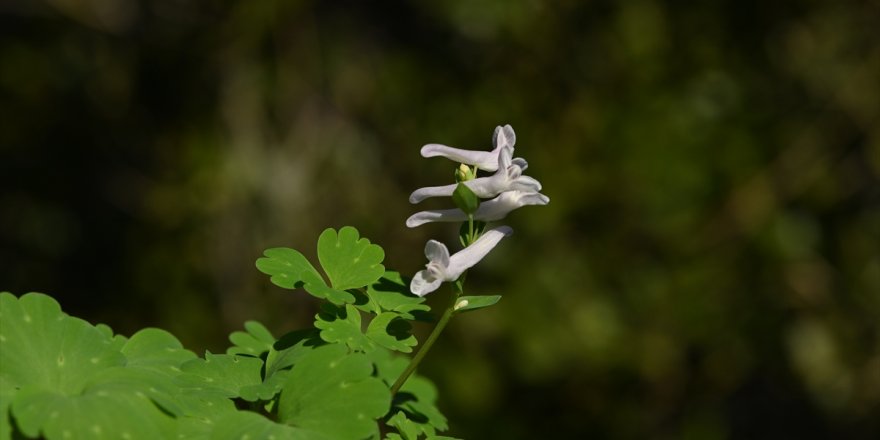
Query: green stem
[441, 324]
[470, 229]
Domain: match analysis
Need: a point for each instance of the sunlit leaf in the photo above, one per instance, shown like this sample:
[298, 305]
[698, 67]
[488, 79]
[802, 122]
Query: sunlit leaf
[285, 266]
[343, 325]
[254, 341]
[332, 393]
[348, 260]
[91, 415]
[43, 347]
[249, 425]
[221, 372]
[417, 397]
[156, 349]
[392, 332]
[315, 285]
[391, 293]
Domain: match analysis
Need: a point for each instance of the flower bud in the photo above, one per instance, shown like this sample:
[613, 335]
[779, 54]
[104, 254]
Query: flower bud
[465, 173]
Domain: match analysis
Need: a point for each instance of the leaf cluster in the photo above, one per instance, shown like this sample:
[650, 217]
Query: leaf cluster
[62, 377]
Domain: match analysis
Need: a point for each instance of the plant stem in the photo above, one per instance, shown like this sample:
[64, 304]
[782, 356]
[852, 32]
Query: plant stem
[441, 324]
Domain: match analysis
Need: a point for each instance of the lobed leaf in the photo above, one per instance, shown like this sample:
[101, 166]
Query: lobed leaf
[315, 285]
[331, 393]
[221, 373]
[40, 346]
[392, 332]
[348, 260]
[343, 325]
[249, 425]
[285, 266]
[91, 415]
[156, 349]
[418, 396]
[254, 341]
[391, 293]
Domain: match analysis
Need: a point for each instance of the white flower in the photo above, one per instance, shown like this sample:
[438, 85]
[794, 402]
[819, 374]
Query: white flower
[495, 209]
[443, 267]
[508, 177]
[485, 160]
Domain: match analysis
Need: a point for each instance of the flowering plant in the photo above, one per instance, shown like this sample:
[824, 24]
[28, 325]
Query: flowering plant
[61, 377]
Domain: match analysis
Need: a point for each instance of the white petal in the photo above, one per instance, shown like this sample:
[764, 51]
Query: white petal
[485, 160]
[483, 187]
[505, 158]
[503, 136]
[533, 199]
[423, 283]
[431, 191]
[442, 215]
[437, 253]
[471, 255]
[486, 187]
[499, 207]
[525, 184]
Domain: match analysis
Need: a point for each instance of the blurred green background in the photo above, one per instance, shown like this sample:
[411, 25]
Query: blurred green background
[708, 267]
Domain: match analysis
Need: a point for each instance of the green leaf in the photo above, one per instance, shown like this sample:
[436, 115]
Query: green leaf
[156, 349]
[468, 303]
[391, 293]
[285, 266]
[408, 429]
[6, 393]
[290, 348]
[315, 285]
[348, 260]
[392, 332]
[91, 415]
[249, 425]
[222, 373]
[343, 325]
[332, 394]
[254, 341]
[465, 199]
[41, 346]
[417, 397]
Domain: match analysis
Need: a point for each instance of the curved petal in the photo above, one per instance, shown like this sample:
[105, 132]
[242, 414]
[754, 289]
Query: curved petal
[423, 283]
[484, 187]
[503, 137]
[505, 158]
[437, 253]
[471, 255]
[525, 184]
[520, 162]
[533, 199]
[513, 172]
[485, 160]
[432, 191]
[490, 210]
[497, 208]
[442, 215]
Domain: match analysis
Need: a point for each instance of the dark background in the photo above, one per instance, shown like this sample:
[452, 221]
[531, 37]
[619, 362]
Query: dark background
[708, 267]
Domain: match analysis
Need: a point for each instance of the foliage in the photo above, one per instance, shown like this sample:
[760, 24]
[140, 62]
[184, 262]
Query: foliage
[709, 262]
[61, 377]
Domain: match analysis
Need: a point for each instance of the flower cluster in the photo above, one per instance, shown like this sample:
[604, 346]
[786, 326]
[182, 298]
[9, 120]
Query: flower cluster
[508, 188]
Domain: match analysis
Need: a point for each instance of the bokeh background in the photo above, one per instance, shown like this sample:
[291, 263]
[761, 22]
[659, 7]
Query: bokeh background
[708, 267]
